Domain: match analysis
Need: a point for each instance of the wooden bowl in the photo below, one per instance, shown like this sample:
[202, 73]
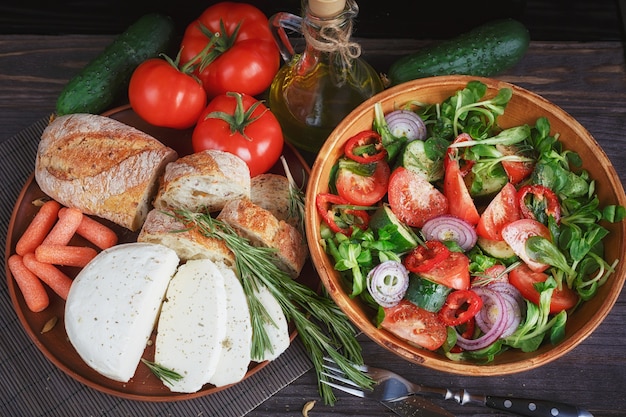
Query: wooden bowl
[524, 107]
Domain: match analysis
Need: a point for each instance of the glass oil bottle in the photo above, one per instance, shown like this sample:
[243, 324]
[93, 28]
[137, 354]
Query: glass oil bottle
[317, 88]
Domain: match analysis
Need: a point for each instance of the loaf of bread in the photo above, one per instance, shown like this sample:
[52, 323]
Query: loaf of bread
[262, 228]
[203, 182]
[101, 166]
[164, 228]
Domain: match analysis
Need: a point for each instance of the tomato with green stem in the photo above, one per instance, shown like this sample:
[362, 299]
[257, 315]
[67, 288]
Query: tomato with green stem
[165, 94]
[242, 125]
[233, 49]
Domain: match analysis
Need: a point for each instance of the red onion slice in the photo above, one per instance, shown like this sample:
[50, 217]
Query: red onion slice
[497, 327]
[449, 227]
[387, 283]
[406, 124]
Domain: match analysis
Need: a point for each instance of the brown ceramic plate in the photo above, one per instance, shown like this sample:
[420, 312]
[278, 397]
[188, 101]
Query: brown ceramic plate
[524, 107]
[54, 344]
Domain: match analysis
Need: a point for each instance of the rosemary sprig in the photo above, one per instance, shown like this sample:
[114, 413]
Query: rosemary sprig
[164, 374]
[296, 197]
[255, 267]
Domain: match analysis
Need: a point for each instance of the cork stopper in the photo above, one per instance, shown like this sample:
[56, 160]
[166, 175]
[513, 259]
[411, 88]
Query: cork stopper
[326, 8]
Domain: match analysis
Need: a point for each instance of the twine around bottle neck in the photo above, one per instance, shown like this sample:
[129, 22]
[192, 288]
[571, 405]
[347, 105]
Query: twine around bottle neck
[334, 36]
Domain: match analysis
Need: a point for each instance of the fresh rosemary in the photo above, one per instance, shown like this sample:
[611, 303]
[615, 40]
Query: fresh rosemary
[164, 374]
[300, 304]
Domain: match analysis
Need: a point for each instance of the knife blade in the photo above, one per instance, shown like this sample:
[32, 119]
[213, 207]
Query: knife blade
[416, 406]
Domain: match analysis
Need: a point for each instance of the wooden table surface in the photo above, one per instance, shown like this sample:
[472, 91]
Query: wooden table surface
[586, 79]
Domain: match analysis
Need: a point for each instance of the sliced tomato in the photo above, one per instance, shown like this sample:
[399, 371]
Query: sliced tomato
[524, 279]
[453, 272]
[516, 171]
[363, 190]
[516, 234]
[502, 210]
[454, 188]
[425, 257]
[415, 325]
[413, 199]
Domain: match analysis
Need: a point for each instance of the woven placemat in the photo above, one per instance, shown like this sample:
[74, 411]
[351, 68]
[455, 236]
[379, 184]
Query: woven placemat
[32, 386]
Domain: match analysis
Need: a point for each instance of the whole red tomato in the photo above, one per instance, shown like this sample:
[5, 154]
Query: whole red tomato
[243, 55]
[240, 124]
[163, 95]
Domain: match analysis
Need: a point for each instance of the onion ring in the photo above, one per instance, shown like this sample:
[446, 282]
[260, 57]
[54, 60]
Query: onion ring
[387, 283]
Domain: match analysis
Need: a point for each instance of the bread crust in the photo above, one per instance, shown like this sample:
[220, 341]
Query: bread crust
[262, 228]
[203, 182]
[101, 166]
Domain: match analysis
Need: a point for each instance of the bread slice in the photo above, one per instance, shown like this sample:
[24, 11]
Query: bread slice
[262, 228]
[101, 166]
[113, 304]
[192, 325]
[203, 182]
[163, 227]
[273, 193]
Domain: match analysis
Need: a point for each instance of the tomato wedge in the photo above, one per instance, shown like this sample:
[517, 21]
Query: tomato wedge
[524, 279]
[425, 257]
[413, 199]
[454, 188]
[363, 190]
[502, 210]
[453, 272]
[460, 307]
[516, 171]
[516, 234]
[415, 325]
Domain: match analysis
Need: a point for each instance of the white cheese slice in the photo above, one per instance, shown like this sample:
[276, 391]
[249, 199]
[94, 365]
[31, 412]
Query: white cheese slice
[113, 304]
[277, 330]
[235, 356]
[192, 325]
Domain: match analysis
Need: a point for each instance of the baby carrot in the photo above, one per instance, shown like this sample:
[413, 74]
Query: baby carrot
[65, 227]
[97, 233]
[38, 228]
[65, 255]
[32, 289]
[50, 274]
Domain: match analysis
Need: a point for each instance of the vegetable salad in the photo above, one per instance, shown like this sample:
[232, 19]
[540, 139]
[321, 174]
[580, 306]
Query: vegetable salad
[465, 237]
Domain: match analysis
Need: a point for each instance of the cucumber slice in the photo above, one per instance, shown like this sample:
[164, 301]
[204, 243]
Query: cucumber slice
[426, 294]
[496, 248]
[414, 158]
[400, 234]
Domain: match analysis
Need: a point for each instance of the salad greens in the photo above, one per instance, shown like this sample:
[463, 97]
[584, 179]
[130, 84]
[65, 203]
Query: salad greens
[576, 252]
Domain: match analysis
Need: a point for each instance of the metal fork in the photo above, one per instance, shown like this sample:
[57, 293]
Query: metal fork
[390, 386]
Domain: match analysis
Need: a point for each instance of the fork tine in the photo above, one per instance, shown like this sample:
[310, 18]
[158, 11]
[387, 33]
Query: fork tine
[362, 368]
[341, 379]
[352, 391]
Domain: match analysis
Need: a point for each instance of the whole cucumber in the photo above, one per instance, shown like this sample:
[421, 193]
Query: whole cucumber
[106, 77]
[484, 51]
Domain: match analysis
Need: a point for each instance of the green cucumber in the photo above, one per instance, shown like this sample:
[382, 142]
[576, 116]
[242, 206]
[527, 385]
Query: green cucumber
[426, 294]
[106, 77]
[400, 235]
[483, 51]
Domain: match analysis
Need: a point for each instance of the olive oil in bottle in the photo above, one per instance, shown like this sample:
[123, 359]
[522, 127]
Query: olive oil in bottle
[316, 89]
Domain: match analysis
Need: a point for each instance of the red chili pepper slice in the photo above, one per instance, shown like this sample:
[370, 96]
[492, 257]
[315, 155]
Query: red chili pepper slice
[325, 204]
[453, 154]
[539, 193]
[365, 147]
[425, 257]
[460, 307]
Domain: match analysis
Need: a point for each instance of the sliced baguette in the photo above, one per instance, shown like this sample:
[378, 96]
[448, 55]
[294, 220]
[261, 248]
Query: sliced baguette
[113, 304]
[262, 228]
[203, 182]
[101, 166]
[192, 325]
[164, 228]
[273, 193]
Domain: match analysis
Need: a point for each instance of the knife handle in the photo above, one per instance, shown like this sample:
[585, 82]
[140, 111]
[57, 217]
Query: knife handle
[534, 408]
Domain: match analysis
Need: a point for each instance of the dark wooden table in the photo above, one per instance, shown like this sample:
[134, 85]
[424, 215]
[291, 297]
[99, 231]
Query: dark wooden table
[587, 79]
